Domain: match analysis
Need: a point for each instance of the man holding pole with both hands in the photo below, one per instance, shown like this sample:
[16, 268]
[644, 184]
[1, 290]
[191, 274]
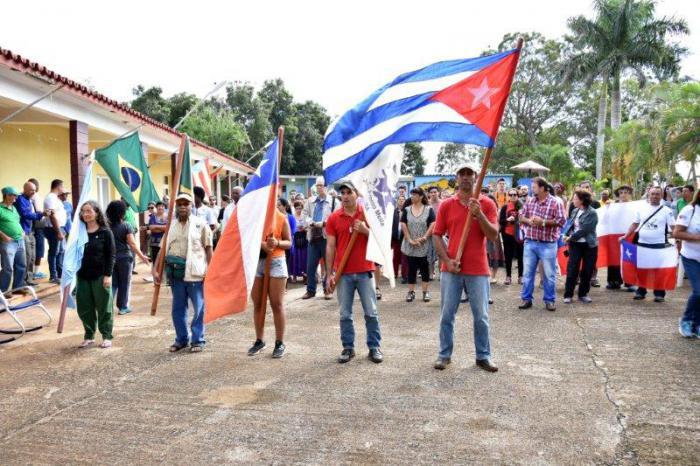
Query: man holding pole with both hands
[469, 269]
[349, 270]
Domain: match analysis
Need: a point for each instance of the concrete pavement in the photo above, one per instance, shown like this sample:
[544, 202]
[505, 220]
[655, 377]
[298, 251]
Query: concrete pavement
[607, 383]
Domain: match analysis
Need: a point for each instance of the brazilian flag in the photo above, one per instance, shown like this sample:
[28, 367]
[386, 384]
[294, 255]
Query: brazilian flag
[123, 162]
[186, 174]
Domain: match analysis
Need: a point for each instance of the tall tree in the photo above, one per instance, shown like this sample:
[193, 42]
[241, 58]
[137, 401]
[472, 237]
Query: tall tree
[450, 157]
[623, 35]
[151, 102]
[413, 160]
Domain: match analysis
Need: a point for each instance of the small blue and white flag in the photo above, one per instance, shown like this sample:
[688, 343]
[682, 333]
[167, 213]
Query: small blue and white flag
[77, 239]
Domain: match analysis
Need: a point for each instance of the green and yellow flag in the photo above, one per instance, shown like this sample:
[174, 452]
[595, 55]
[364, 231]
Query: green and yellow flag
[123, 162]
[186, 174]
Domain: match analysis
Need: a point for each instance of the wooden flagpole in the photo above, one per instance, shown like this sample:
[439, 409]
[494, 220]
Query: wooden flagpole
[346, 254]
[268, 259]
[160, 260]
[482, 174]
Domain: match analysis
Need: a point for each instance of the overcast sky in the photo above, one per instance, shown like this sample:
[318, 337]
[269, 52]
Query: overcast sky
[332, 52]
[335, 53]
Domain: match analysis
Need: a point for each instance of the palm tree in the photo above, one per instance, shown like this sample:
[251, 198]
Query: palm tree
[624, 35]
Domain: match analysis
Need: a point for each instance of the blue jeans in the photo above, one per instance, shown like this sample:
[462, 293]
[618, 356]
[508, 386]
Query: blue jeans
[182, 291]
[477, 287]
[55, 253]
[534, 252]
[13, 263]
[315, 252]
[692, 309]
[364, 284]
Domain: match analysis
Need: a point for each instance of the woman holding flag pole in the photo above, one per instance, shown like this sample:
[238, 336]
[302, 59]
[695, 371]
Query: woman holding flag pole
[277, 242]
[94, 286]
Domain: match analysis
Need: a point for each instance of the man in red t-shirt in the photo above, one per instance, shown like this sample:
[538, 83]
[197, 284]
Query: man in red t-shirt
[471, 271]
[358, 273]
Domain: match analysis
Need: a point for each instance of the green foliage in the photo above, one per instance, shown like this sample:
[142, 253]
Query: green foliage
[151, 102]
[413, 161]
[245, 121]
[451, 157]
[216, 128]
[556, 158]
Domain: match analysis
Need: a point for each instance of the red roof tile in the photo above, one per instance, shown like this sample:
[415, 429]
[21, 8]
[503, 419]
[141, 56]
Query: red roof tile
[20, 63]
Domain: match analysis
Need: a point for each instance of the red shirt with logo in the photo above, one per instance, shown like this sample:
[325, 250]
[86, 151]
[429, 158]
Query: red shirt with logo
[339, 224]
[451, 219]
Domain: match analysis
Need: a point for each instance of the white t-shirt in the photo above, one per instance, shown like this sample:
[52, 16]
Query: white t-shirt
[207, 214]
[654, 231]
[689, 217]
[54, 203]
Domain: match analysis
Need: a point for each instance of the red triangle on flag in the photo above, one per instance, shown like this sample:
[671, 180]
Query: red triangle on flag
[481, 98]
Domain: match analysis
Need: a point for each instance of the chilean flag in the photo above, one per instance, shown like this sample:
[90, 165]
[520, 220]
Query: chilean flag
[651, 268]
[613, 222]
[232, 269]
[459, 101]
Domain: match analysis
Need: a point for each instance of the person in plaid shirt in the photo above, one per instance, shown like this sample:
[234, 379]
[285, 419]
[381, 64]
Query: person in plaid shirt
[541, 219]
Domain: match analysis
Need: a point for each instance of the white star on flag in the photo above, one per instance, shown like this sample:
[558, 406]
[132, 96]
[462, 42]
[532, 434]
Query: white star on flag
[259, 170]
[628, 253]
[483, 93]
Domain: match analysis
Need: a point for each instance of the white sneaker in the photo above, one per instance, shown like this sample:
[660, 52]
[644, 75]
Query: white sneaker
[567, 300]
[86, 343]
[106, 344]
[585, 299]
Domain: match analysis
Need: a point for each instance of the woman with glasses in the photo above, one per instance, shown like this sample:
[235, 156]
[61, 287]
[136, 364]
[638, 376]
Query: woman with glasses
[512, 245]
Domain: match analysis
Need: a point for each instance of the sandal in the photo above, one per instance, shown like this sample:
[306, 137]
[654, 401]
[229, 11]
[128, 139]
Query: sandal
[174, 348]
[106, 344]
[379, 294]
[86, 343]
[196, 349]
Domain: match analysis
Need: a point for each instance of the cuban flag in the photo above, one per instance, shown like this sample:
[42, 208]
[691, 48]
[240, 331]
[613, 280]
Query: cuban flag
[460, 101]
[650, 268]
[232, 269]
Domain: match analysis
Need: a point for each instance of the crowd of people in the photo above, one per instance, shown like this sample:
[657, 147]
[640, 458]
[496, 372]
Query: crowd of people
[525, 224]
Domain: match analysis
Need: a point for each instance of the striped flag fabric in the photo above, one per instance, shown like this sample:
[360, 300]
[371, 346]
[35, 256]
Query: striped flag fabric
[186, 173]
[613, 222]
[460, 101]
[77, 239]
[201, 176]
[231, 272]
[651, 268]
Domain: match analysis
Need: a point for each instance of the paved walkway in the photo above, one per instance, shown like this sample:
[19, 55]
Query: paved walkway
[610, 383]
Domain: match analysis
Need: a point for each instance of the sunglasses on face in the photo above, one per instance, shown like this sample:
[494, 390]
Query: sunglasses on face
[512, 194]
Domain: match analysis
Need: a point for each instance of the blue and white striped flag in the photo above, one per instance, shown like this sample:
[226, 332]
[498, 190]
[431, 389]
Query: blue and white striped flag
[77, 239]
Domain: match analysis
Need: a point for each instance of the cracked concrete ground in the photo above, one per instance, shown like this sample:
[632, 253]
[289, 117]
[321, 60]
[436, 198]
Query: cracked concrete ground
[607, 383]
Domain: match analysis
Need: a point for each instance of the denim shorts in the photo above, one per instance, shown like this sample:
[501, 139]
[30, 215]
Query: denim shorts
[278, 268]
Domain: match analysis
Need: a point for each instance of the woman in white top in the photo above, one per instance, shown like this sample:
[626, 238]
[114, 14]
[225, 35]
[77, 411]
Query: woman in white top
[687, 229]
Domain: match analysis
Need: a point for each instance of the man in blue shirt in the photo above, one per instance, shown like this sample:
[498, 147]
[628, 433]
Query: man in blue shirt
[27, 216]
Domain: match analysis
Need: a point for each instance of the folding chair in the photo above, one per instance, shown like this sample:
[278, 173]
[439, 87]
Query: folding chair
[13, 310]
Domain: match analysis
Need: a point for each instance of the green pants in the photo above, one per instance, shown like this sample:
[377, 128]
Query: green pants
[95, 307]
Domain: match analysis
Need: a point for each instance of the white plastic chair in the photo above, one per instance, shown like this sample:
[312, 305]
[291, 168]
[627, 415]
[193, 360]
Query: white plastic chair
[13, 310]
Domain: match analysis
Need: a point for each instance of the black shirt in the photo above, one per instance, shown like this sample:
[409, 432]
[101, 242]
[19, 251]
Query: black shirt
[120, 232]
[98, 255]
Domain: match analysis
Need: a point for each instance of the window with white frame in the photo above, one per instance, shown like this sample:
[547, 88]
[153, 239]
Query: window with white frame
[104, 193]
